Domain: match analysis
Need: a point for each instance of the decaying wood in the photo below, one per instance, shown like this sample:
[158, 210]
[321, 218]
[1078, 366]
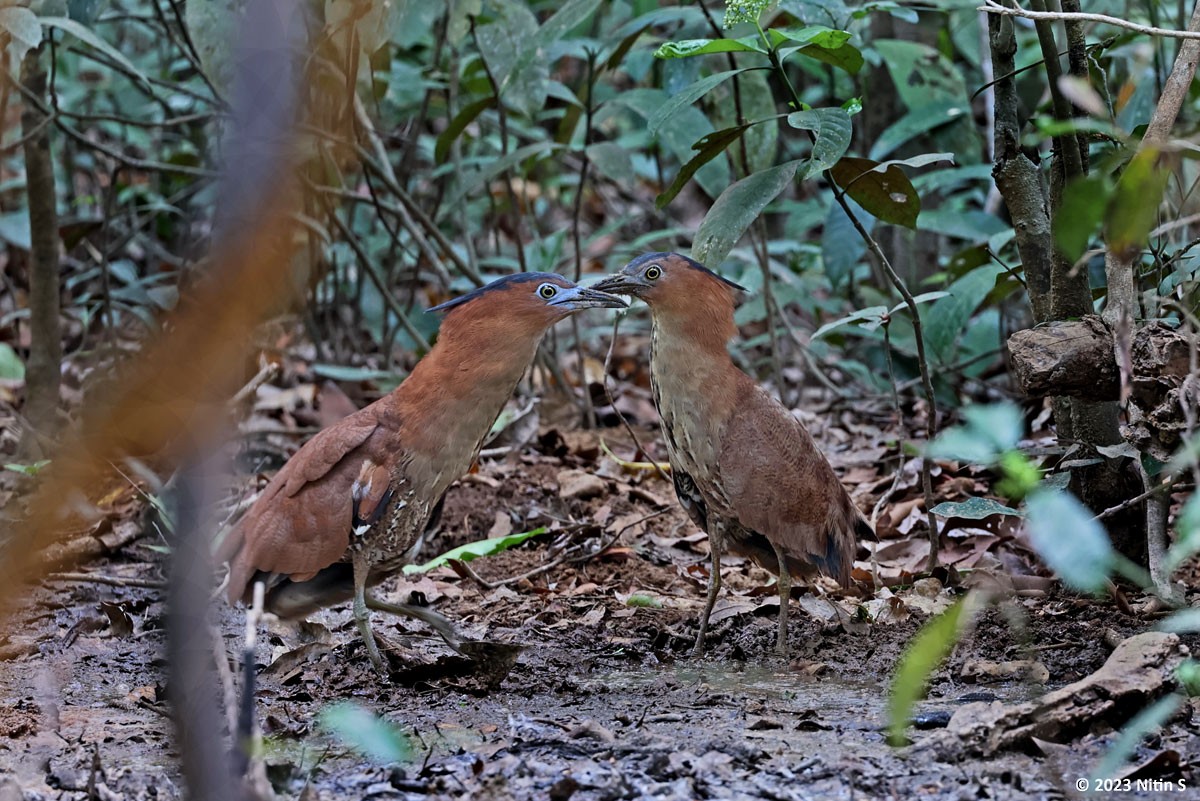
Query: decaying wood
[1140, 670]
[1075, 358]
[1161, 389]
[1071, 357]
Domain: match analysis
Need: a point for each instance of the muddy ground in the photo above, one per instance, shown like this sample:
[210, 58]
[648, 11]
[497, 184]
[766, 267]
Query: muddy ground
[605, 700]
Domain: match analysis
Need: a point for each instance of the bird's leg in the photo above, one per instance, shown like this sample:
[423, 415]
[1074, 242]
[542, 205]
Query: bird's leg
[435, 621]
[785, 595]
[716, 544]
[361, 616]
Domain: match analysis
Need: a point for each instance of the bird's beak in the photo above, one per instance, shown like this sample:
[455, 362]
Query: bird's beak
[620, 284]
[587, 298]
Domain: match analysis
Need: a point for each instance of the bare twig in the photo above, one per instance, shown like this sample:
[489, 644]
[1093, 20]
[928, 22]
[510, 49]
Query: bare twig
[111, 581]
[994, 7]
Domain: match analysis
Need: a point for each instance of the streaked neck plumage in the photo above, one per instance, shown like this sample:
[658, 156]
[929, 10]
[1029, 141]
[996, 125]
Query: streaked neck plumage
[454, 395]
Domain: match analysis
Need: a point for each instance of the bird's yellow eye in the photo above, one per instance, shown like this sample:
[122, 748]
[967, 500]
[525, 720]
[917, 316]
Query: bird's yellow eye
[547, 291]
[653, 272]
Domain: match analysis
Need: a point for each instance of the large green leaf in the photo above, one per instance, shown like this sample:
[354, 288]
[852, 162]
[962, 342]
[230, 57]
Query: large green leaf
[473, 550]
[1133, 210]
[758, 109]
[883, 190]
[1187, 534]
[703, 47]
[922, 656]
[569, 15]
[842, 247]
[736, 208]
[989, 432]
[921, 74]
[366, 732]
[832, 129]
[85, 35]
[709, 147]
[510, 45]
[1083, 203]
[950, 314]
[1071, 542]
[916, 122]
[686, 96]
[213, 27]
[613, 161]
[678, 137]
[465, 116]
[975, 509]
[23, 29]
[11, 366]
[473, 180]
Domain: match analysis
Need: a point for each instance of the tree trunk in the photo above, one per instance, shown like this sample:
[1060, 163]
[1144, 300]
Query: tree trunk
[45, 351]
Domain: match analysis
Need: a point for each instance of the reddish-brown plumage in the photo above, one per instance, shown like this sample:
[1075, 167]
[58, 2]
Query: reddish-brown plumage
[349, 507]
[744, 468]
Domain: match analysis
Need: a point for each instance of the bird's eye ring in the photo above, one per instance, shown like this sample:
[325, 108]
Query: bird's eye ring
[653, 272]
[547, 291]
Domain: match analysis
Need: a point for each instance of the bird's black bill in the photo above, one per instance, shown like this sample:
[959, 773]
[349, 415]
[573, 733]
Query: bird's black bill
[588, 298]
[619, 285]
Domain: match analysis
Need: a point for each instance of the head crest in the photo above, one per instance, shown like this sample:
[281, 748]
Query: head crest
[695, 265]
[498, 285]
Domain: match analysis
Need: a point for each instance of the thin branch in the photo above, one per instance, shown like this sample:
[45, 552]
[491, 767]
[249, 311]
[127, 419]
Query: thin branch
[993, 7]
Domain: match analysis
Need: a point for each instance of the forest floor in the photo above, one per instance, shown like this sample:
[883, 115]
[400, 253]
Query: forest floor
[605, 699]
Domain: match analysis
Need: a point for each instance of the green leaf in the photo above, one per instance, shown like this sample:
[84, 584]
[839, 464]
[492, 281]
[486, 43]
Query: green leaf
[678, 137]
[23, 29]
[343, 372]
[570, 15]
[28, 469]
[734, 211]
[916, 122]
[875, 313]
[975, 509]
[1185, 621]
[847, 58]
[884, 191]
[703, 47]
[1069, 540]
[950, 315]
[465, 116]
[1002, 424]
[1144, 723]
[921, 74]
[833, 130]
[830, 38]
[86, 36]
[510, 46]
[366, 732]
[473, 550]
[643, 601]
[710, 146]
[761, 140]
[922, 656]
[1133, 211]
[613, 161]
[686, 96]
[1083, 203]
[11, 366]
[1187, 535]
[494, 167]
[989, 431]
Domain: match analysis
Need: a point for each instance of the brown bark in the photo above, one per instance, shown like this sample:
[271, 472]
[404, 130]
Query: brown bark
[45, 352]
[1073, 358]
